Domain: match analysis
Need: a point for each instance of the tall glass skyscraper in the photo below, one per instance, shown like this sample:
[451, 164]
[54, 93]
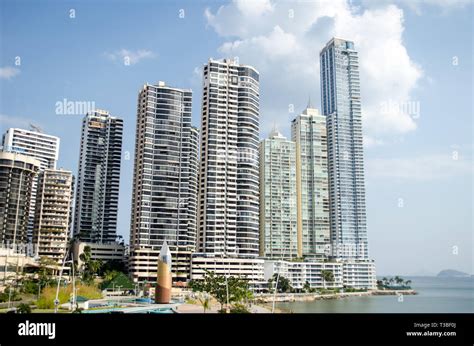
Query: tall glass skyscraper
[308, 131]
[98, 178]
[164, 201]
[278, 231]
[228, 214]
[340, 98]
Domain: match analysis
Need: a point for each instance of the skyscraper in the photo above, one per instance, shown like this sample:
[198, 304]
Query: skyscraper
[164, 201]
[17, 174]
[278, 223]
[53, 213]
[340, 98]
[308, 131]
[95, 217]
[228, 213]
[36, 144]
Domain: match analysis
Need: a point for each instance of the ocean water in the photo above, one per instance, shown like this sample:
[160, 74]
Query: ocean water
[441, 295]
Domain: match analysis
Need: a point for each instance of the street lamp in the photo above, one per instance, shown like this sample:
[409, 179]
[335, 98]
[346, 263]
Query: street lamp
[56, 301]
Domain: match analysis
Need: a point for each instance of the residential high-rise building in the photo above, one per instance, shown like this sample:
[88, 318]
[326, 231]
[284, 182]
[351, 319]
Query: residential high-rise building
[164, 202]
[17, 174]
[308, 130]
[340, 98]
[98, 178]
[228, 214]
[36, 144]
[278, 223]
[53, 213]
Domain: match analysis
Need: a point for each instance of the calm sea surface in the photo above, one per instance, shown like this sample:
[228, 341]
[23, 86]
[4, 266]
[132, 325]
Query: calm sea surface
[434, 295]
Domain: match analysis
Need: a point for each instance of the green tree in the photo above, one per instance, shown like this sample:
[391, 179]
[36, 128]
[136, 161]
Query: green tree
[327, 276]
[45, 274]
[233, 290]
[284, 285]
[307, 287]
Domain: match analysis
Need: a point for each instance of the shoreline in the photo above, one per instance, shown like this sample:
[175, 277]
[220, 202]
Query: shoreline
[303, 297]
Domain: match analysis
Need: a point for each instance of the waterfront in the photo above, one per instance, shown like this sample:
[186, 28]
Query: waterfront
[441, 295]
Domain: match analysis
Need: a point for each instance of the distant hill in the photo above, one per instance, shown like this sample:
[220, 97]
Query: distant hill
[450, 273]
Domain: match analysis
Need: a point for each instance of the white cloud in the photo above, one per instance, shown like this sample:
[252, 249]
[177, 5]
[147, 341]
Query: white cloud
[128, 56]
[15, 121]
[8, 72]
[253, 7]
[423, 168]
[283, 42]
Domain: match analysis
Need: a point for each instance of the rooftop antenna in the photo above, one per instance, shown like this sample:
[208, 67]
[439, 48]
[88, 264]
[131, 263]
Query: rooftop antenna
[310, 105]
[36, 128]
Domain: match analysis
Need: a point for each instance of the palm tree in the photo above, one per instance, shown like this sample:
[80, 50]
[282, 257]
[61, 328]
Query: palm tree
[407, 283]
[205, 300]
[398, 280]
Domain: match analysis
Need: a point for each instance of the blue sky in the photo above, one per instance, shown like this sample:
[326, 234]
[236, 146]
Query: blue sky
[413, 56]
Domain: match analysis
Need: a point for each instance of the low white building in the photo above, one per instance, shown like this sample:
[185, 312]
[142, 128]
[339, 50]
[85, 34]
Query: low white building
[143, 265]
[298, 273]
[100, 251]
[354, 274]
[12, 264]
[359, 274]
[251, 269]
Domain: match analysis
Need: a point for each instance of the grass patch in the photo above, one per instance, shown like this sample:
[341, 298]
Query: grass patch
[46, 300]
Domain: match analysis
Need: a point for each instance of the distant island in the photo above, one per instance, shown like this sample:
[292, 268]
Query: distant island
[451, 273]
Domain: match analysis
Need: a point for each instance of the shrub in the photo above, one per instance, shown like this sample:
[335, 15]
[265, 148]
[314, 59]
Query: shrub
[23, 309]
[239, 309]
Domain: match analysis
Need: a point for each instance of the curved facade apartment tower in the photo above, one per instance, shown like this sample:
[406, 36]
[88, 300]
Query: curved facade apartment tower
[340, 99]
[17, 174]
[95, 217]
[164, 200]
[228, 215]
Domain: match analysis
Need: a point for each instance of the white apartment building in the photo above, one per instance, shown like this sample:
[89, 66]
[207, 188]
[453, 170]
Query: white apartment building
[98, 178]
[228, 207]
[53, 215]
[251, 269]
[354, 274]
[164, 200]
[298, 273]
[100, 251]
[359, 274]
